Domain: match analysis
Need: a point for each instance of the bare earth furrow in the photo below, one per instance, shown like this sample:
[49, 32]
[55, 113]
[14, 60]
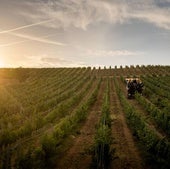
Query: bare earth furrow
[126, 154]
[152, 125]
[77, 156]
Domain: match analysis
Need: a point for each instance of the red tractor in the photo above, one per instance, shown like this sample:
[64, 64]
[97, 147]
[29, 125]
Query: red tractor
[133, 85]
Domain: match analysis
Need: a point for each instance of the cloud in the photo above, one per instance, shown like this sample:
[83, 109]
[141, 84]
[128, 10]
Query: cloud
[59, 62]
[82, 13]
[26, 26]
[32, 38]
[55, 60]
[41, 61]
[110, 53]
[29, 37]
[13, 43]
[76, 13]
[47, 61]
[151, 13]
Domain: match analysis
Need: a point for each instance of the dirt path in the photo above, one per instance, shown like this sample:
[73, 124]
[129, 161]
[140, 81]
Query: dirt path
[77, 157]
[128, 156]
[151, 123]
[34, 139]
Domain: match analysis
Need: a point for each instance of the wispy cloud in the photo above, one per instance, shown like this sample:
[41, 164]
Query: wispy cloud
[26, 26]
[60, 62]
[55, 60]
[82, 13]
[76, 13]
[39, 39]
[48, 61]
[110, 53]
[13, 43]
[32, 38]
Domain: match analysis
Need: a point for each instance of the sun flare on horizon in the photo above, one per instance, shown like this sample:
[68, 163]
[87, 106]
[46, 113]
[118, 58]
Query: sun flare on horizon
[2, 64]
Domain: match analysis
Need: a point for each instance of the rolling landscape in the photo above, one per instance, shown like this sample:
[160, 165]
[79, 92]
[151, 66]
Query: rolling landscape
[85, 84]
[70, 118]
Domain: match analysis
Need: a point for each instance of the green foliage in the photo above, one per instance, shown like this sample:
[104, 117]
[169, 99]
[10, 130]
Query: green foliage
[102, 151]
[7, 137]
[6, 159]
[158, 148]
[48, 144]
[33, 159]
[34, 100]
[45, 156]
[21, 74]
[162, 118]
[103, 135]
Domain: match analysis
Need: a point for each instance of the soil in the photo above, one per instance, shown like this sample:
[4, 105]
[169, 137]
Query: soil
[78, 156]
[151, 123]
[126, 156]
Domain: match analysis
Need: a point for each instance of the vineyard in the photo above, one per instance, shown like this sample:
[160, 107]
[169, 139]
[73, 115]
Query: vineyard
[80, 118]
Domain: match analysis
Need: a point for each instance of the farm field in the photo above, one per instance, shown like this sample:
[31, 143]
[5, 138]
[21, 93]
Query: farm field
[80, 118]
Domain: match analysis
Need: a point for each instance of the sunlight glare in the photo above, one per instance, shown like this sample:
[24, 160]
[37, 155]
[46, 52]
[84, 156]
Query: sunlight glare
[1, 63]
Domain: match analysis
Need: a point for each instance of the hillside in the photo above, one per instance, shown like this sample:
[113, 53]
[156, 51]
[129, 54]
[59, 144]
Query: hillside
[80, 118]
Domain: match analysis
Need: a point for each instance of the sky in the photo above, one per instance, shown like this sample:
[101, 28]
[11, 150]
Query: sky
[78, 33]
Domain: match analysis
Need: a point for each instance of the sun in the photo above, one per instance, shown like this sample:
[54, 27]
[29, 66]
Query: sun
[1, 63]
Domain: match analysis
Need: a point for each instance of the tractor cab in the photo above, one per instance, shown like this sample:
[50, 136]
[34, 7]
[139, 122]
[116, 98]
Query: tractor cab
[133, 85]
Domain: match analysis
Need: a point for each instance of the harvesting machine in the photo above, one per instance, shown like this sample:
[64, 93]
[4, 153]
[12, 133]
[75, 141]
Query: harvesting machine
[133, 85]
